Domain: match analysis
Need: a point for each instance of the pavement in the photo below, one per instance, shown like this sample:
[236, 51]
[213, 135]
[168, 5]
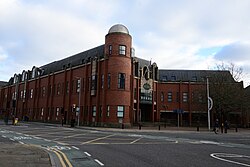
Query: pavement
[16, 155]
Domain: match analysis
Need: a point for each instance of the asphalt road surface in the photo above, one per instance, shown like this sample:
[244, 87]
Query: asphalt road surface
[122, 148]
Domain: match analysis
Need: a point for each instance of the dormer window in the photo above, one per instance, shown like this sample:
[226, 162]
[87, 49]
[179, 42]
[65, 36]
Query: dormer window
[24, 76]
[122, 50]
[15, 79]
[173, 78]
[33, 72]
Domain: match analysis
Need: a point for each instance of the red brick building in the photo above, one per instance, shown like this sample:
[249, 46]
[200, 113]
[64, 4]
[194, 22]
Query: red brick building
[107, 86]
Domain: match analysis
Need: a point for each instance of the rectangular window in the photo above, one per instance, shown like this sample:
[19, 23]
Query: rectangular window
[31, 93]
[21, 95]
[24, 94]
[43, 91]
[120, 111]
[58, 89]
[108, 111]
[194, 78]
[94, 111]
[67, 87]
[185, 97]
[170, 97]
[109, 80]
[162, 96]
[93, 82]
[122, 50]
[102, 81]
[121, 81]
[78, 85]
[110, 49]
[173, 78]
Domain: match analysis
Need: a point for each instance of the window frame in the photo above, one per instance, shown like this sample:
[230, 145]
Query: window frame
[122, 50]
[120, 111]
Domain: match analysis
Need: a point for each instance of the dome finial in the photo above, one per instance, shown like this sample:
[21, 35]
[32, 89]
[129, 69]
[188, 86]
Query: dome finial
[118, 28]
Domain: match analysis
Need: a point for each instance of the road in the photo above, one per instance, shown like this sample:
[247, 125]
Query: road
[121, 148]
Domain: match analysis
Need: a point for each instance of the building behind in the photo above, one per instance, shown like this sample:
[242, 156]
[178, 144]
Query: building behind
[109, 86]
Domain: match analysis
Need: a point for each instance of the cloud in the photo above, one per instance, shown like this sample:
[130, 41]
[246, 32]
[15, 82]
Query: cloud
[174, 34]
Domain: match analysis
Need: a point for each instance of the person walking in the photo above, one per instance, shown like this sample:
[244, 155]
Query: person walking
[216, 126]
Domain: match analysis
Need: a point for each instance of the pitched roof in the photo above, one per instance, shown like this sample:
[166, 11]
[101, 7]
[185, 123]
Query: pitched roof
[194, 75]
[74, 60]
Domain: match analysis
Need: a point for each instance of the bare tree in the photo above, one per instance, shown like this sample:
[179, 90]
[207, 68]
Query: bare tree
[227, 93]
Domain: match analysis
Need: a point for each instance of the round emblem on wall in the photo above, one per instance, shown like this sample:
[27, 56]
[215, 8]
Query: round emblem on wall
[146, 86]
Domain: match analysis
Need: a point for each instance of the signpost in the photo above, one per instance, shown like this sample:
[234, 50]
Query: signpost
[178, 111]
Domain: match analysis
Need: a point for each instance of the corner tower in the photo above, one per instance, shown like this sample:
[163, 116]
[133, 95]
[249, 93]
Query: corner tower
[118, 46]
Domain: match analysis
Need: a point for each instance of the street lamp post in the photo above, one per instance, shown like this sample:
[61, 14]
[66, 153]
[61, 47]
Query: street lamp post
[209, 105]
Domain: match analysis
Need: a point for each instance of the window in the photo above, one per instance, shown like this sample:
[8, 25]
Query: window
[102, 81]
[120, 111]
[21, 95]
[121, 81]
[15, 78]
[109, 80]
[110, 49]
[58, 89]
[108, 110]
[170, 97]
[185, 97]
[122, 50]
[93, 82]
[67, 87]
[173, 78]
[24, 76]
[43, 91]
[72, 86]
[31, 93]
[33, 72]
[94, 111]
[24, 94]
[194, 78]
[162, 96]
[78, 85]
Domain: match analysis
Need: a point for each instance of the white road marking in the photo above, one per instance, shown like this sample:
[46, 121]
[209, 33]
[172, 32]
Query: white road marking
[4, 136]
[222, 156]
[135, 140]
[96, 160]
[87, 154]
[47, 140]
[36, 137]
[20, 142]
[75, 147]
[209, 142]
[12, 139]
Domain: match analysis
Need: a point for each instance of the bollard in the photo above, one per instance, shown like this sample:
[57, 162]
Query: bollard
[198, 128]
[159, 128]
[139, 126]
[236, 129]
[122, 126]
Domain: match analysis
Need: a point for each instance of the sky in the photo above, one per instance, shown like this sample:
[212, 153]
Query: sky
[179, 34]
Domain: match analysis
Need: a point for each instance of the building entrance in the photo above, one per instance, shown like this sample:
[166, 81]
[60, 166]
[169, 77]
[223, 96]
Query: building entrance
[146, 112]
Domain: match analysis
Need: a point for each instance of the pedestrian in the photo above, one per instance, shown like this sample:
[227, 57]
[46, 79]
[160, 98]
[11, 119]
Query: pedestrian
[62, 120]
[226, 126]
[216, 126]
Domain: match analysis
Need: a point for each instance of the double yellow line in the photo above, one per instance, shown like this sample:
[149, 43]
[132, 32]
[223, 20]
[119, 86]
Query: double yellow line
[62, 158]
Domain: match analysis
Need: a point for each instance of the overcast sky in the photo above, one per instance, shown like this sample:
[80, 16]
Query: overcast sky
[176, 34]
